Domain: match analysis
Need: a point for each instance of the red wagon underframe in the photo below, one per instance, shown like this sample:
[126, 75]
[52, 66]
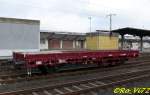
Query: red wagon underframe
[33, 59]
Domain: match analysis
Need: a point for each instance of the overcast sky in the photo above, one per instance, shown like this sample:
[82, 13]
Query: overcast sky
[72, 15]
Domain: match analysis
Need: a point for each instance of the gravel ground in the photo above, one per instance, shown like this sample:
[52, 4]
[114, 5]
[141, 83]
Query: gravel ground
[63, 79]
[131, 86]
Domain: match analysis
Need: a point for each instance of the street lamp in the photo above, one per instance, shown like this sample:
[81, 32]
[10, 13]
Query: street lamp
[90, 18]
[110, 22]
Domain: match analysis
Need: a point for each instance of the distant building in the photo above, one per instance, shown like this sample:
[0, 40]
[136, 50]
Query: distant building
[99, 40]
[18, 35]
[52, 40]
[134, 44]
[102, 40]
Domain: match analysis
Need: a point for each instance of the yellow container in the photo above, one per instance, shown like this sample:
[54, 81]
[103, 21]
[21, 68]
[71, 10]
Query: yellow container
[102, 41]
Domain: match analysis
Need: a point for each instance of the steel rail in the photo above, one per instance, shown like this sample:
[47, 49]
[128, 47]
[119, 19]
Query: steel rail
[13, 79]
[89, 84]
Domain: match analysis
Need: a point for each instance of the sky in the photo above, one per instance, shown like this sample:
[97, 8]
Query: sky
[72, 15]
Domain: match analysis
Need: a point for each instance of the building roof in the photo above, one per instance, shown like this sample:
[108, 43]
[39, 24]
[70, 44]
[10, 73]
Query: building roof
[18, 21]
[101, 33]
[135, 40]
[62, 35]
[132, 31]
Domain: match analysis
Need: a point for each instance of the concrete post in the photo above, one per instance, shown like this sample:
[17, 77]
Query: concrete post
[141, 43]
[122, 41]
[74, 44]
[61, 44]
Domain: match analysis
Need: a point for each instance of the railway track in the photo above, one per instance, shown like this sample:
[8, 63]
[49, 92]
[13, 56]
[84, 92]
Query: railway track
[7, 79]
[85, 86]
[51, 80]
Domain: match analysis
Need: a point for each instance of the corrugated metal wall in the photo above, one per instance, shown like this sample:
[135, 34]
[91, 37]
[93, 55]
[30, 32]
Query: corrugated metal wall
[92, 42]
[102, 43]
[67, 44]
[54, 44]
[107, 43]
[18, 35]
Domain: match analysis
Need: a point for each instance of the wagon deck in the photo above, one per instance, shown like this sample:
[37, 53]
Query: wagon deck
[45, 56]
[56, 59]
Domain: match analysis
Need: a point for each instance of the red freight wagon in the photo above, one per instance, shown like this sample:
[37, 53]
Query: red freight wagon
[56, 58]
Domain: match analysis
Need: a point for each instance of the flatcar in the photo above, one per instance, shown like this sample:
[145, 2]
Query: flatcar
[56, 59]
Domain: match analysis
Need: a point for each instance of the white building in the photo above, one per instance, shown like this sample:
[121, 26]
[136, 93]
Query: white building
[18, 35]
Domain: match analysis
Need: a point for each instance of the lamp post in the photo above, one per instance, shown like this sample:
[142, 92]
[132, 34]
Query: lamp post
[110, 22]
[90, 18]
